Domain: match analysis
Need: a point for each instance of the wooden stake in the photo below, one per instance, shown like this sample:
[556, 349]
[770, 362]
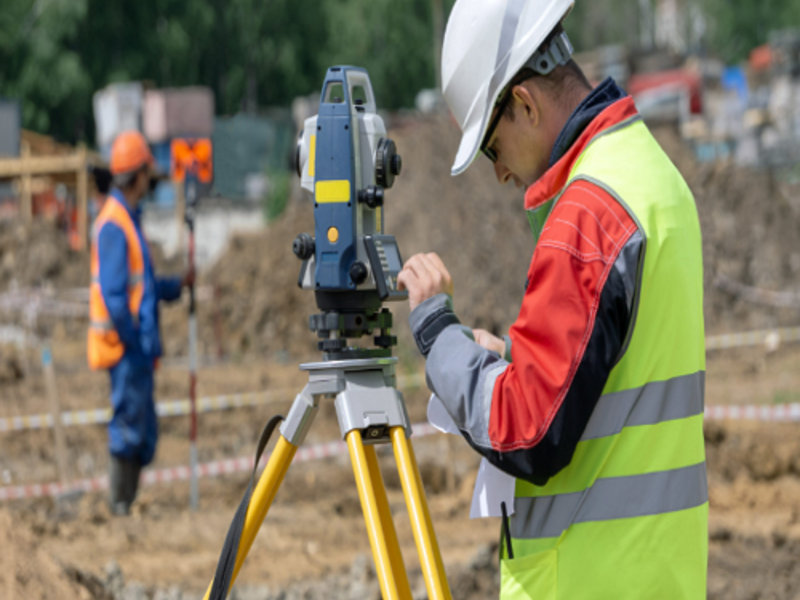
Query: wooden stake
[82, 197]
[180, 211]
[25, 196]
[55, 411]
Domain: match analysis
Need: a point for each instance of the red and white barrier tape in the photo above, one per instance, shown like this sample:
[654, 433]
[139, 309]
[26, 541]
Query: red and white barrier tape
[34, 301]
[770, 338]
[167, 408]
[776, 413]
[243, 464]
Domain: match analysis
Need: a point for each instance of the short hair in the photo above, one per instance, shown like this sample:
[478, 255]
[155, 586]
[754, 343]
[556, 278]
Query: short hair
[561, 82]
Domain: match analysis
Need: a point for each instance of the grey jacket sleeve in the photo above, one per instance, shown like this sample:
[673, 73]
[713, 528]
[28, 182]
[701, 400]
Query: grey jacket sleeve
[459, 371]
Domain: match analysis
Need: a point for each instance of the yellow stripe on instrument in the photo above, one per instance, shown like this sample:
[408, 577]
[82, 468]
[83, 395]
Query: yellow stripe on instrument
[332, 191]
[312, 155]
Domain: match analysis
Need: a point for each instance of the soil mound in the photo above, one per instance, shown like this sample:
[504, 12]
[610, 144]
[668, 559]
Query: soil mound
[257, 306]
[27, 572]
[751, 229]
[39, 255]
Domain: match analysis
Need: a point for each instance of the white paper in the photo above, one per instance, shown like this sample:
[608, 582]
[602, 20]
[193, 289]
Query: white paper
[492, 486]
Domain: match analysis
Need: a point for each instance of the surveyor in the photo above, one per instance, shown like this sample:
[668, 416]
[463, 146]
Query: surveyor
[124, 335]
[594, 401]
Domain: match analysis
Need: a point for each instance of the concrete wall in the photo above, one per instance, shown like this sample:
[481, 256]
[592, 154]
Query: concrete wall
[214, 227]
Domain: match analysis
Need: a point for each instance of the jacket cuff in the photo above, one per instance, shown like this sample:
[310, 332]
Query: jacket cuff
[507, 353]
[430, 318]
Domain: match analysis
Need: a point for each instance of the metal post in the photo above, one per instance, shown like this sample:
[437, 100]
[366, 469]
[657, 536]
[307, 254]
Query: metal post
[191, 204]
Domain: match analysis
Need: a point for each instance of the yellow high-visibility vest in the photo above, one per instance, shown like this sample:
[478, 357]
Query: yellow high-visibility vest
[628, 517]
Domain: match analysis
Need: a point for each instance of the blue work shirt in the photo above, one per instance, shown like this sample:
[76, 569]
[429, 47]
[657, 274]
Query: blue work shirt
[143, 341]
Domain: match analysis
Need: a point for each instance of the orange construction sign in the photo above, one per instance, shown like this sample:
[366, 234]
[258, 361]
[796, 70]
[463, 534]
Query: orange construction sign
[192, 155]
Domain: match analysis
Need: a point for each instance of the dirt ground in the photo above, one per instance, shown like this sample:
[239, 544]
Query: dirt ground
[314, 539]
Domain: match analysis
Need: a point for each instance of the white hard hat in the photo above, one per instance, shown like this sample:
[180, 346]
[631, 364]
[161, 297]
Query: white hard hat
[486, 43]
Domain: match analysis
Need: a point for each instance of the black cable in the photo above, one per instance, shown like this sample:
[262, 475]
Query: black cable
[506, 531]
[227, 558]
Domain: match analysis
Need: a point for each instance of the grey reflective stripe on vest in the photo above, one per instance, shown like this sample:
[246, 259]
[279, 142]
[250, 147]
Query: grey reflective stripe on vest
[107, 325]
[611, 498]
[655, 402]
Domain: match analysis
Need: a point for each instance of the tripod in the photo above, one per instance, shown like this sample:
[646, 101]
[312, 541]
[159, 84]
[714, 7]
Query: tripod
[370, 411]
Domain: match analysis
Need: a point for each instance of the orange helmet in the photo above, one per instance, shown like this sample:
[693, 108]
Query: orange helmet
[129, 152]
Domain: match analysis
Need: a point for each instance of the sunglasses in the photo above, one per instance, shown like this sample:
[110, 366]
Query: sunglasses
[500, 108]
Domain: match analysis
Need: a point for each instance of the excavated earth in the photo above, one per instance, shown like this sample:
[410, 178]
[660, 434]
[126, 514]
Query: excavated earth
[313, 544]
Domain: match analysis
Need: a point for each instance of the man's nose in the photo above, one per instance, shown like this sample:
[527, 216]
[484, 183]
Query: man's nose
[502, 173]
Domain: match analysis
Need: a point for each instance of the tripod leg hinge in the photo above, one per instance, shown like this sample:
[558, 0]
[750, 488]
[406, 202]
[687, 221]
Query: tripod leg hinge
[297, 423]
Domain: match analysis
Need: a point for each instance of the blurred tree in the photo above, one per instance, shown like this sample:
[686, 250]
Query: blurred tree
[42, 65]
[252, 53]
[596, 23]
[392, 39]
[737, 26]
[258, 53]
[274, 49]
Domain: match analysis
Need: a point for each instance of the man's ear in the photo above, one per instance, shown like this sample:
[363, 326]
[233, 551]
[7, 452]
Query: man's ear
[528, 103]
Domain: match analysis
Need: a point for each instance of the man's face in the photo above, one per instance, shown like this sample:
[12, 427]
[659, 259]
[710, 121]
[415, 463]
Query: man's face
[143, 182]
[519, 145]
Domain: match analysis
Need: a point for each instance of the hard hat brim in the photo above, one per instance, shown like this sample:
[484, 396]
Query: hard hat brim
[469, 147]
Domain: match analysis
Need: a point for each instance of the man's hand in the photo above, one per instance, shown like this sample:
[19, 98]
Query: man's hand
[489, 341]
[424, 276]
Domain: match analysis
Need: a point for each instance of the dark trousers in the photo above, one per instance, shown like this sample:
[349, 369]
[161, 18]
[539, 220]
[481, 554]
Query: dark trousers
[133, 429]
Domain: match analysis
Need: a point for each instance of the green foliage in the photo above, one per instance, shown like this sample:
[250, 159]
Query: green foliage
[785, 396]
[738, 26]
[41, 64]
[392, 39]
[280, 188]
[252, 53]
[596, 23]
[257, 53]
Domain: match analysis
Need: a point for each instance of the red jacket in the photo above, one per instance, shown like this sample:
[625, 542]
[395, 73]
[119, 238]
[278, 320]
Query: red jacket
[527, 414]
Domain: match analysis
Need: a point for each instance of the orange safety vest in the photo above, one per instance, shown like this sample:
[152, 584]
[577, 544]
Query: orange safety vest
[105, 348]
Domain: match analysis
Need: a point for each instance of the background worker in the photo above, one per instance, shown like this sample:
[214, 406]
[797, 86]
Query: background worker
[594, 402]
[124, 333]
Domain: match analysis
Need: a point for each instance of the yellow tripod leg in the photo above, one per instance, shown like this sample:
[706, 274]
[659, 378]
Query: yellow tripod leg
[387, 524]
[429, 556]
[384, 568]
[263, 495]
